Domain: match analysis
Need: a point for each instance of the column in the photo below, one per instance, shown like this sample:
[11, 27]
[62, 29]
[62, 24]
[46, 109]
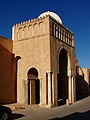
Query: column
[49, 89]
[23, 90]
[70, 90]
[73, 89]
[26, 84]
[40, 90]
[69, 87]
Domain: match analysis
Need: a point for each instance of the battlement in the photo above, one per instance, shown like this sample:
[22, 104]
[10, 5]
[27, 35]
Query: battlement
[30, 28]
[42, 26]
[30, 21]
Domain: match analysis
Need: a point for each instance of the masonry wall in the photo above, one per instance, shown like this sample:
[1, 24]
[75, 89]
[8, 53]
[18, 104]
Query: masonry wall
[82, 82]
[38, 42]
[86, 72]
[32, 44]
[7, 84]
[60, 38]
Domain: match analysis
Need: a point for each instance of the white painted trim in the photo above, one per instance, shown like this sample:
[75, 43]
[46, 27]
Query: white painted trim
[13, 33]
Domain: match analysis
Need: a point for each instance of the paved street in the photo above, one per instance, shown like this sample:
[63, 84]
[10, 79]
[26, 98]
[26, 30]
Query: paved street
[78, 111]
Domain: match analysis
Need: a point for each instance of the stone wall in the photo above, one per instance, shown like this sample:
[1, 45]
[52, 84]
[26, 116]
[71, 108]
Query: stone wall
[34, 51]
[82, 82]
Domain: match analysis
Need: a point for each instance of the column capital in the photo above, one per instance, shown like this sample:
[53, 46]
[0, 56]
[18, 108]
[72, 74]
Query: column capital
[73, 75]
[24, 79]
[69, 72]
[49, 72]
[40, 78]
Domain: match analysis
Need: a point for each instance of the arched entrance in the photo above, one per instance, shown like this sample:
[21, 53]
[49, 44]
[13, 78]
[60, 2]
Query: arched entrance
[62, 78]
[33, 87]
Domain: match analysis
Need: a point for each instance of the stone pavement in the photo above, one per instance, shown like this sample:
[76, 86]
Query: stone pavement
[77, 111]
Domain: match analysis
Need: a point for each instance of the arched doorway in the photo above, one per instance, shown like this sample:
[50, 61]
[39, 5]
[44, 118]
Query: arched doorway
[62, 78]
[33, 87]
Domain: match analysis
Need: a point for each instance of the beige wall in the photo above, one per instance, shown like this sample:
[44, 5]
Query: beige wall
[57, 43]
[38, 47]
[86, 72]
[82, 82]
[34, 50]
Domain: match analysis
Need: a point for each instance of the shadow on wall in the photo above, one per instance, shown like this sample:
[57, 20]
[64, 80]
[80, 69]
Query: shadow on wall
[75, 116]
[8, 74]
[82, 87]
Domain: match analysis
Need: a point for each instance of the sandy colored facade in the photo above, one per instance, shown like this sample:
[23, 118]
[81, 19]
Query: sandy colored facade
[46, 47]
[39, 66]
[86, 72]
[82, 82]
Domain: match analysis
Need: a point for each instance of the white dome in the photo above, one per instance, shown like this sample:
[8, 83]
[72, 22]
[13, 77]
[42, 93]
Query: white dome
[52, 14]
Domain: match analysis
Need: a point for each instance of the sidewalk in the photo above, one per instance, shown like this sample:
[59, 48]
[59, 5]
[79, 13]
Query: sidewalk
[77, 111]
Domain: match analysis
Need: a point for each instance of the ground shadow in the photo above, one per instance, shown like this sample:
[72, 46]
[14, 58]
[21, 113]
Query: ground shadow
[75, 116]
[16, 116]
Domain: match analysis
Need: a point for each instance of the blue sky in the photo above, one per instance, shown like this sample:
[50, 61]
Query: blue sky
[75, 15]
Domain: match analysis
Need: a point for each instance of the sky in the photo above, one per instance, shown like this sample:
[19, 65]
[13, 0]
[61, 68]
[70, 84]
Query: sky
[75, 15]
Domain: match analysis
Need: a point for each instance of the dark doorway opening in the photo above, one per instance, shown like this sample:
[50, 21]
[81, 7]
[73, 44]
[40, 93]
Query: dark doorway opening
[37, 91]
[62, 78]
[33, 87]
[28, 92]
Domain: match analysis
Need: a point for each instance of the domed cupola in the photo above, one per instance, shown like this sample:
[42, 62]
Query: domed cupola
[52, 14]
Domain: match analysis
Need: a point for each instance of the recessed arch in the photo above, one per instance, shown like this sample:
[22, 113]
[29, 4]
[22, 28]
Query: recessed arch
[20, 33]
[25, 31]
[32, 72]
[33, 86]
[41, 28]
[35, 29]
[68, 56]
[30, 30]
[62, 77]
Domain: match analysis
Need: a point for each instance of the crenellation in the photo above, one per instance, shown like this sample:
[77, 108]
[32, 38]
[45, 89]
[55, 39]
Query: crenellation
[28, 28]
[34, 19]
[16, 25]
[24, 22]
[31, 20]
[28, 21]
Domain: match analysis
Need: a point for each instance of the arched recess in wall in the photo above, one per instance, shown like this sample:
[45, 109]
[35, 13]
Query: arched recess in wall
[68, 57]
[33, 86]
[62, 78]
[20, 33]
[30, 31]
[35, 28]
[63, 66]
[25, 31]
[41, 28]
